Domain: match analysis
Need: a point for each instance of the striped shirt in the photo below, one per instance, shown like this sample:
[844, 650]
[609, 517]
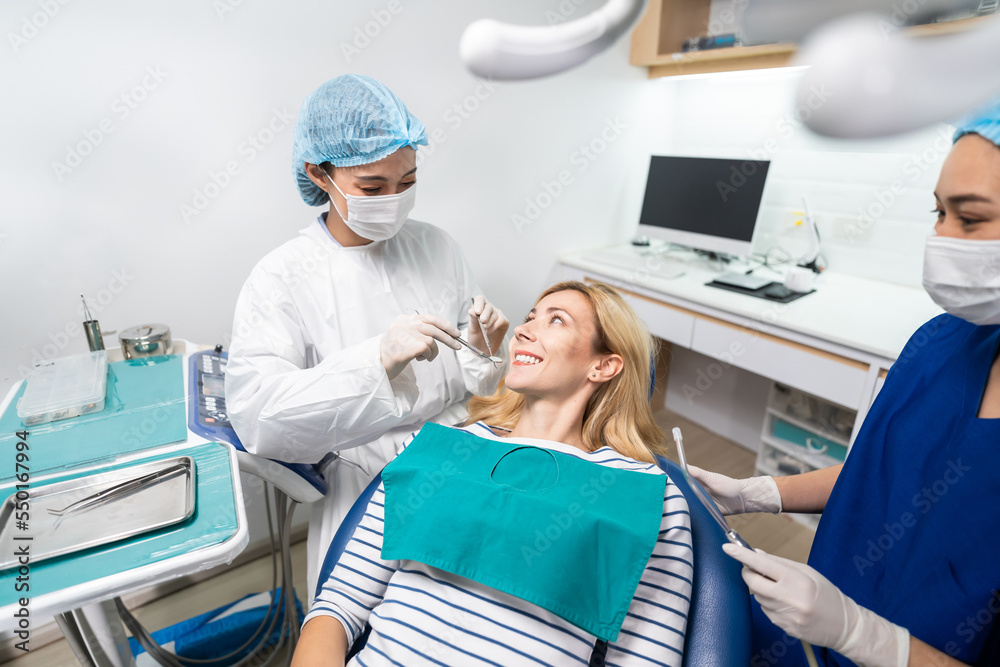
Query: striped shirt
[420, 615]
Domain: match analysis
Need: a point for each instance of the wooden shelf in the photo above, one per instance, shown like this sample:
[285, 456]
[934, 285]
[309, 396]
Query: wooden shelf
[658, 39]
[733, 59]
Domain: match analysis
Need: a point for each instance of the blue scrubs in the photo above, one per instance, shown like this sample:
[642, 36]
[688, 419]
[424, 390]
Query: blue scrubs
[912, 528]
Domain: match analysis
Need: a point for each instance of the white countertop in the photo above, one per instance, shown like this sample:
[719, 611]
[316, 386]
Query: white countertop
[866, 315]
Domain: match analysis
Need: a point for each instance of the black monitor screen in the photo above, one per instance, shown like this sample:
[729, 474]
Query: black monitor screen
[704, 195]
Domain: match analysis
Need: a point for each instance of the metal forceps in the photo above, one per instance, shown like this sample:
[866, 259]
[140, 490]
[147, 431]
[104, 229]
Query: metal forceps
[709, 504]
[120, 489]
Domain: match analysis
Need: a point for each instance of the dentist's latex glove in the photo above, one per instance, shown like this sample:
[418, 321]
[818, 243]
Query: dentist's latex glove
[494, 321]
[804, 603]
[739, 496]
[412, 337]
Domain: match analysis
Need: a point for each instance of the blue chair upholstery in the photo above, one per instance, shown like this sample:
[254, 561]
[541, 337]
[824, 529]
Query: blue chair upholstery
[719, 622]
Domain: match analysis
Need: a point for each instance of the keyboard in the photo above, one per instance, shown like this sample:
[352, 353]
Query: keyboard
[638, 259]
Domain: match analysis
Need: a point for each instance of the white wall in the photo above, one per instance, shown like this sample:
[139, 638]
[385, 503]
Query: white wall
[111, 226]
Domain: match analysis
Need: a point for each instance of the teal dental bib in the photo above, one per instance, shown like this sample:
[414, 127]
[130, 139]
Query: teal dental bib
[566, 534]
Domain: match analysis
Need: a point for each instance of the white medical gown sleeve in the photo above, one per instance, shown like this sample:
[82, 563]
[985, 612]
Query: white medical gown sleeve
[285, 411]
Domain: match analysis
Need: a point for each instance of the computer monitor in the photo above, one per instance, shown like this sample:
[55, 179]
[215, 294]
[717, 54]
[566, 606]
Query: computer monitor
[704, 203]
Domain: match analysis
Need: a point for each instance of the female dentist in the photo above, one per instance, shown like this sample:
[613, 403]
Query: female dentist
[905, 567]
[328, 325]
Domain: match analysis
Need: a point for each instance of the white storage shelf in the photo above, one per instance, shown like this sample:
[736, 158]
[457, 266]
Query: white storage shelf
[778, 456]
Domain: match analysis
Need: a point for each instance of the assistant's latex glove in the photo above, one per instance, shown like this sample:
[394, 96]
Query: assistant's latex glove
[739, 496]
[804, 603]
[412, 337]
[494, 321]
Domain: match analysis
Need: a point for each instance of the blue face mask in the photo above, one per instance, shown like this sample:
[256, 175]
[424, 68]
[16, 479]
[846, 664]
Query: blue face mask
[566, 534]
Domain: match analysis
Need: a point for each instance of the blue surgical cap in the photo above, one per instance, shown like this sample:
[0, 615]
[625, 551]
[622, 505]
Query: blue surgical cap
[348, 121]
[985, 122]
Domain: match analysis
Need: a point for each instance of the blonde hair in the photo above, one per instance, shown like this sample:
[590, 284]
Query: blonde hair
[618, 414]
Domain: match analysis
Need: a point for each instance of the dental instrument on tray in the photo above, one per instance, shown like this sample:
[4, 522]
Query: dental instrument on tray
[709, 504]
[92, 329]
[120, 489]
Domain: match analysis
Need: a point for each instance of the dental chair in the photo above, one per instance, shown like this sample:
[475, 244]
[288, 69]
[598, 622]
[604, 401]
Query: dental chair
[719, 623]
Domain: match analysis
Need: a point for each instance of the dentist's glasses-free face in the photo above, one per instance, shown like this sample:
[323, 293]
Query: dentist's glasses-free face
[967, 195]
[552, 351]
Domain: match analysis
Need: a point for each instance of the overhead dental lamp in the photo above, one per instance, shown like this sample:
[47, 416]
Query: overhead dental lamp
[506, 52]
[878, 80]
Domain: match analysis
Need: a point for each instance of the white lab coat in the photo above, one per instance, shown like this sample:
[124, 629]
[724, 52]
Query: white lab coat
[305, 376]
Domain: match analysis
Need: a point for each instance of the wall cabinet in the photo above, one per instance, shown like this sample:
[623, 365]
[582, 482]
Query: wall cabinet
[658, 41]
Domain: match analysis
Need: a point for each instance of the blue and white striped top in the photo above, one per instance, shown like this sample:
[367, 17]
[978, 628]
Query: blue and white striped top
[421, 615]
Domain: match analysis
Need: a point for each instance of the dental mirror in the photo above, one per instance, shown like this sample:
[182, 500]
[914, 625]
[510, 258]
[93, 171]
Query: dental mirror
[709, 504]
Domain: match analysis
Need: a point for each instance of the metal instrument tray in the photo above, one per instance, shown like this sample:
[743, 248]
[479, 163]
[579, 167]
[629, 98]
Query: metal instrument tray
[161, 502]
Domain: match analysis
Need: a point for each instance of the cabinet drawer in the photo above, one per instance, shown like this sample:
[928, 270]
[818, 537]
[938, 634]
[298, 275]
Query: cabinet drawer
[829, 376]
[664, 321]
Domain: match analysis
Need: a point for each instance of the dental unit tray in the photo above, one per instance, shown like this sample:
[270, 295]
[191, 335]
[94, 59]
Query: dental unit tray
[97, 509]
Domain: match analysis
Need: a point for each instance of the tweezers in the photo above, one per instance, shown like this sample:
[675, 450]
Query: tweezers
[120, 489]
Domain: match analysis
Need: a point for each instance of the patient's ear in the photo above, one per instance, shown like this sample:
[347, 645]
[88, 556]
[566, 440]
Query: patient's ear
[606, 368]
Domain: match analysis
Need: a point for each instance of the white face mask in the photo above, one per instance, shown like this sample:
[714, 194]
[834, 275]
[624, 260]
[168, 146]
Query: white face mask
[963, 277]
[377, 217]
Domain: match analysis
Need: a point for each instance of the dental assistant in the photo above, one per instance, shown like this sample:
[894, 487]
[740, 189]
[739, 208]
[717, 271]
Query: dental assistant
[343, 338]
[905, 567]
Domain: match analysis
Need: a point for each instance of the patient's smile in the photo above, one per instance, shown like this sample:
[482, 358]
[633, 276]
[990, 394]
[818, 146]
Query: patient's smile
[524, 358]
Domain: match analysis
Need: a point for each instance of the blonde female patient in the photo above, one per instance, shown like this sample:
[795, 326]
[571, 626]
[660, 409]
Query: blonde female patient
[540, 532]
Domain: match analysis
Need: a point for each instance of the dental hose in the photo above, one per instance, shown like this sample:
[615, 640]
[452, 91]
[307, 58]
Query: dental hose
[289, 629]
